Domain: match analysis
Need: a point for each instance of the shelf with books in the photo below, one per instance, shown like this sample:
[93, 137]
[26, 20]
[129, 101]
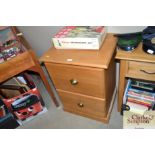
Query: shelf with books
[139, 96]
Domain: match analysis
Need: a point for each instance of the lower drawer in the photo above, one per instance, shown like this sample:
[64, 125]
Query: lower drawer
[83, 105]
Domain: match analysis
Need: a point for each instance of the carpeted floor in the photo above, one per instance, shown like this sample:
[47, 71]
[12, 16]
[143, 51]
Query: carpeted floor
[56, 118]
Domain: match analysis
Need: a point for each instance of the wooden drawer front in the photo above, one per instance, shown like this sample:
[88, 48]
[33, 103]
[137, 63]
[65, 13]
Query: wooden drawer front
[141, 70]
[85, 80]
[82, 104]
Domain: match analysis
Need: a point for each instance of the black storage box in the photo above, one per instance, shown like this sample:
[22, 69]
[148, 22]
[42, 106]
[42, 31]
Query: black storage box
[7, 121]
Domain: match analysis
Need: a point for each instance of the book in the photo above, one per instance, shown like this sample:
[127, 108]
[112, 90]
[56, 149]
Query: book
[142, 94]
[126, 91]
[139, 96]
[140, 101]
[144, 86]
[80, 37]
[135, 108]
[143, 97]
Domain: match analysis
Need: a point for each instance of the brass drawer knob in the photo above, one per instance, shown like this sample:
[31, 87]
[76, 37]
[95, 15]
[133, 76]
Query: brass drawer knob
[73, 81]
[81, 105]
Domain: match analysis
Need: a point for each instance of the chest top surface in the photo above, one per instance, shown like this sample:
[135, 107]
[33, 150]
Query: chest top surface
[91, 58]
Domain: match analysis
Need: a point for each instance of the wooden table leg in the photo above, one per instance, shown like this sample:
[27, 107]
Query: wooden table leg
[37, 68]
[122, 83]
[48, 87]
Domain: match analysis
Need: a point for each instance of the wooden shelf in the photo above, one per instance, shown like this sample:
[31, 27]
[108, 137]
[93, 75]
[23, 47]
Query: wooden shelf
[136, 64]
[137, 55]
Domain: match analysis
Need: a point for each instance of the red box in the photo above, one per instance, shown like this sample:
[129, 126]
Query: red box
[26, 100]
[25, 105]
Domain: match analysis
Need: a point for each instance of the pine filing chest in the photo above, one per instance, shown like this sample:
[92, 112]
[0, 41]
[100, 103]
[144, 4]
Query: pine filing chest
[84, 79]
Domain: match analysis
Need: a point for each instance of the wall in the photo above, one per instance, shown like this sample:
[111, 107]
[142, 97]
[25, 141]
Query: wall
[125, 29]
[39, 37]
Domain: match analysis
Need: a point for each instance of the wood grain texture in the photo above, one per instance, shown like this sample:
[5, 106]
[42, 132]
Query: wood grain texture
[137, 55]
[99, 116]
[91, 105]
[141, 70]
[90, 80]
[110, 81]
[92, 58]
[15, 66]
[122, 82]
[94, 70]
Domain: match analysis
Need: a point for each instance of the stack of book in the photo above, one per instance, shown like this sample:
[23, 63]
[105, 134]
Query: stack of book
[140, 96]
[80, 37]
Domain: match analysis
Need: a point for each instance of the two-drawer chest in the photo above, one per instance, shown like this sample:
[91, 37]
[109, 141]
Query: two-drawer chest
[84, 79]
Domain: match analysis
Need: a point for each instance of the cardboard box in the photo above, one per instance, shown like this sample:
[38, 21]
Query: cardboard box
[80, 37]
[26, 101]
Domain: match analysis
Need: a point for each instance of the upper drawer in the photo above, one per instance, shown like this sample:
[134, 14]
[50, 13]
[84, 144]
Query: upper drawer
[141, 70]
[84, 80]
